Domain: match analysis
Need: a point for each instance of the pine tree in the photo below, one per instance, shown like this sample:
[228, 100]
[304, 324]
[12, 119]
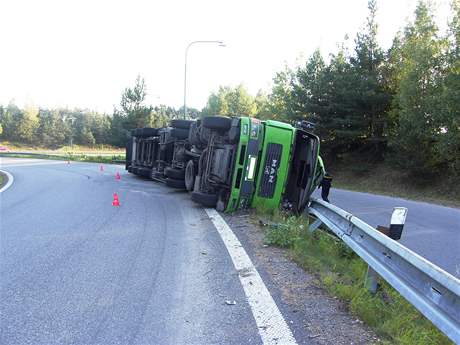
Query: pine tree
[26, 125]
[133, 113]
[231, 101]
[262, 105]
[447, 147]
[418, 94]
[281, 98]
[372, 98]
[52, 131]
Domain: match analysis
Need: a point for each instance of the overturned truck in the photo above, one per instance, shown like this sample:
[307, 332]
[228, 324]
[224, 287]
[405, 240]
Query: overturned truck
[231, 163]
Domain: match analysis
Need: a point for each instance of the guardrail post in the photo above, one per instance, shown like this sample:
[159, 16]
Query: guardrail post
[315, 225]
[398, 219]
[371, 281]
[430, 289]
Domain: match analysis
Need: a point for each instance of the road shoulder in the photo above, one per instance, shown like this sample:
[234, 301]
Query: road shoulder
[6, 180]
[3, 179]
[315, 317]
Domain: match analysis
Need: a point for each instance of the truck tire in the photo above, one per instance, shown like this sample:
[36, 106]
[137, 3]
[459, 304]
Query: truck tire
[158, 175]
[219, 123]
[204, 135]
[190, 173]
[149, 132]
[193, 135]
[182, 124]
[205, 199]
[179, 133]
[137, 132]
[153, 174]
[178, 184]
[177, 174]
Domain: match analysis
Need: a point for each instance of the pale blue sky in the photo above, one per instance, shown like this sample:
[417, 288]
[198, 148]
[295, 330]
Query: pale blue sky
[83, 53]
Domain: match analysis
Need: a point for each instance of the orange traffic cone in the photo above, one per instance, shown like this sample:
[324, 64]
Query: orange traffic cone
[101, 168]
[117, 176]
[115, 201]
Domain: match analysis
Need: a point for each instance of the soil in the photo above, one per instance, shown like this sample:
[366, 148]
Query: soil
[315, 317]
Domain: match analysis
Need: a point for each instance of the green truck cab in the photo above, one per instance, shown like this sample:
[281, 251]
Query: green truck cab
[261, 164]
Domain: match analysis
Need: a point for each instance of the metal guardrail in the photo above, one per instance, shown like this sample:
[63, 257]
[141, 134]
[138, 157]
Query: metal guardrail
[31, 154]
[61, 154]
[10, 153]
[433, 291]
[60, 157]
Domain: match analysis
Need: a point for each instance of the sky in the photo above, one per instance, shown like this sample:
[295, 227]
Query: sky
[84, 53]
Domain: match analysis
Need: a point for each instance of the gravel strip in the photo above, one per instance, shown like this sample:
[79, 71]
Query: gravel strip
[314, 315]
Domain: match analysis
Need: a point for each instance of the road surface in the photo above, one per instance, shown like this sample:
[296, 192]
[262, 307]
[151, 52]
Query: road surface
[77, 270]
[432, 231]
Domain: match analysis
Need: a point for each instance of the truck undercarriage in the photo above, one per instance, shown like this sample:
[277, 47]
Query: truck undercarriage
[231, 163]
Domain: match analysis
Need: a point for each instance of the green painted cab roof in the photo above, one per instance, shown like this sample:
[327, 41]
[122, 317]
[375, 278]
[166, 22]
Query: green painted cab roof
[274, 123]
[278, 124]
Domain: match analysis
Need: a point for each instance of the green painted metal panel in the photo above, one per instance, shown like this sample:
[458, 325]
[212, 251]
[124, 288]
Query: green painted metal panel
[234, 201]
[273, 168]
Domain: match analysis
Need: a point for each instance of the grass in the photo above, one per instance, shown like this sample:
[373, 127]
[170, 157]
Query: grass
[97, 154]
[381, 179]
[342, 273]
[75, 149]
[2, 180]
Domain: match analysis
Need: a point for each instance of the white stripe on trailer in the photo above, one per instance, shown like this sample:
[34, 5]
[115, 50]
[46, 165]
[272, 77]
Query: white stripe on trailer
[273, 329]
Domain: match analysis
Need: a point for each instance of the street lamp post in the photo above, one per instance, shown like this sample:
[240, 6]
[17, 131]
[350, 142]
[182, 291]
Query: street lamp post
[220, 43]
[71, 120]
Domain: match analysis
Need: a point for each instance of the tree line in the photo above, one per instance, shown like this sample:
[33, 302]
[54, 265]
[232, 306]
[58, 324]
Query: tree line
[54, 128]
[401, 105]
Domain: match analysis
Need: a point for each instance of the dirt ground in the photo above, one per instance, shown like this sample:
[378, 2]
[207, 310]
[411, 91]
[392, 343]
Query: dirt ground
[315, 317]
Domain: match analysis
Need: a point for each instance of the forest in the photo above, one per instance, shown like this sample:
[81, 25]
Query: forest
[370, 105]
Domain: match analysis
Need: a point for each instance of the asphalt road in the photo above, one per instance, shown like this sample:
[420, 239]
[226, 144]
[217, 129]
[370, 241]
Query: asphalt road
[77, 270]
[432, 231]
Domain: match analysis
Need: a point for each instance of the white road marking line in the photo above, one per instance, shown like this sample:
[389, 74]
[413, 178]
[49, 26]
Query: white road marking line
[273, 329]
[9, 183]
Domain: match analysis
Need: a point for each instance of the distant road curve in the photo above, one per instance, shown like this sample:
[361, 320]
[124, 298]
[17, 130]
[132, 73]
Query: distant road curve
[8, 183]
[431, 230]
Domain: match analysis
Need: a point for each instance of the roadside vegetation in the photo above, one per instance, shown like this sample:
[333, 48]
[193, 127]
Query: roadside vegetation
[396, 108]
[94, 158]
[56, 128]
[342, 273]
[97, 153]
[383, 179]
[2, 179]
[76, 149]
